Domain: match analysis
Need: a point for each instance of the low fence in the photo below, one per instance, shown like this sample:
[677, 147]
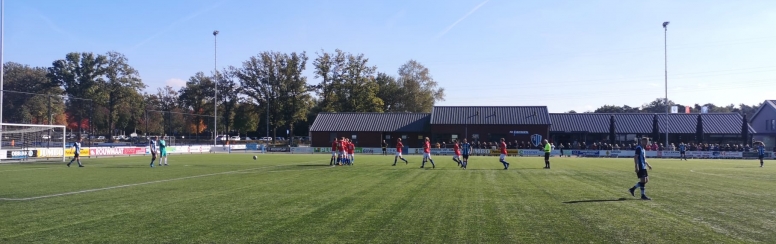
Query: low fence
[41, 153]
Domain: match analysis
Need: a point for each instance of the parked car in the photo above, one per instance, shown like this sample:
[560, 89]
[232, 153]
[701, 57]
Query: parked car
[101, 138]
[234, 138]
[279, 139]
[248, 139]
[45, 137]
[266, 139]
[222, 138]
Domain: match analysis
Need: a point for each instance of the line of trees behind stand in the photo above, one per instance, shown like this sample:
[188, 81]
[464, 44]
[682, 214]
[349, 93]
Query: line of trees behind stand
[104, 95]
[659, 106]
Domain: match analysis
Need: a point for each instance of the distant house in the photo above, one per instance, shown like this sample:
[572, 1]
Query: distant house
[764, 123]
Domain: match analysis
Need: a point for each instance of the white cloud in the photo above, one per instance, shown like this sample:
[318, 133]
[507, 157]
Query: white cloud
[175, 83]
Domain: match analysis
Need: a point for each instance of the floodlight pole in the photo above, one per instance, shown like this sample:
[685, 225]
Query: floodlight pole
[665, 50]
[2, 66]
[215, 82]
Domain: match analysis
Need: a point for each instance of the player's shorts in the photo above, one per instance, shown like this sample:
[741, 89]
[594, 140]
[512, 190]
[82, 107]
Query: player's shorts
[546, 156]
[502, 157]
[76, 154]
[456, 156]
[163, 153]
[761, 157]
[642, 173]
[426, 155]
[466, 157]
[398, 154]
[343, 153]
[681, 153]
[333, 153]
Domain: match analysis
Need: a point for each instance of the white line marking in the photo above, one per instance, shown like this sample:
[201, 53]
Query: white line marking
[144, 183]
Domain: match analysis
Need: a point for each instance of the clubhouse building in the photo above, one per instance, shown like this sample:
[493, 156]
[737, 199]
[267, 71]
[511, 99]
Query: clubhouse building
[529, 124]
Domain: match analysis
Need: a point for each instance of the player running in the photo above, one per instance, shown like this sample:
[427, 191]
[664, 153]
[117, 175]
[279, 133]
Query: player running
[76, 153]
[761, 152]
[334, 156]
[457, 151]
[399, 147]
[427, 154]
[641, 169]
[503, 147]
[467, 149]
[152, 148]
[682, 151]
[162, 152]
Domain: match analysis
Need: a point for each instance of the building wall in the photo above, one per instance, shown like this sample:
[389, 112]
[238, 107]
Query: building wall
[489, 133]
[759, 122]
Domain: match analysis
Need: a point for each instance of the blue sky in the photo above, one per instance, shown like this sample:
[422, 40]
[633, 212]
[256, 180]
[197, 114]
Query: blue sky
[564, 54]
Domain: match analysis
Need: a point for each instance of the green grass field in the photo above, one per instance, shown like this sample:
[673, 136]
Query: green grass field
[230, 198]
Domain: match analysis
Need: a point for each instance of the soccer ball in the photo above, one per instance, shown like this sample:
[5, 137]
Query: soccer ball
[254, 157]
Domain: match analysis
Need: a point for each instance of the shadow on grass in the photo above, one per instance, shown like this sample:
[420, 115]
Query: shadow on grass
[600, 200]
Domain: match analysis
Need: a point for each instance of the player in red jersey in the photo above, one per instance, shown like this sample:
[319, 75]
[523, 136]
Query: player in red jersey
[334, 146]
[343, 150]
[399, 147]
[457, 156]
[503, 147]
[427, 154]
[351, 151]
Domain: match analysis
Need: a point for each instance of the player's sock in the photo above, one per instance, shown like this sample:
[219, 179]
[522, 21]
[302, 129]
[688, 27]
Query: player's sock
[432, 163]
[395, 159]
[165, 161]
[642, 189]
[404, 160]
[79, 163]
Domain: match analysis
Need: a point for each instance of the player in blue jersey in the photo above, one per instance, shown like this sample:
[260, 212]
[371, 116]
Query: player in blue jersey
[466, 149]
[152, 148]
[682, 151]
[76, 153]
[640, 160]
[761, 152]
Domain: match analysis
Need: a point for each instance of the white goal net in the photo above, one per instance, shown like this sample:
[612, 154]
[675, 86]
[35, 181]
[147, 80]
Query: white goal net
[22, 142]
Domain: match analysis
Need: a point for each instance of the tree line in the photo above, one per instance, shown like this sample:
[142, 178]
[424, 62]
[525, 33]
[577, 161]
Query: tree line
[659, 106]
[104, 94]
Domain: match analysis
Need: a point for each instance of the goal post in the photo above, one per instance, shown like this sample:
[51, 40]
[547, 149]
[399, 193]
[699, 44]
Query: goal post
[24, 142]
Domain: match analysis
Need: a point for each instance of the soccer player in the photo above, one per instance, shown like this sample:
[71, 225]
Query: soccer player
[162, 152]
[351, 150]
[682, 151]
[502, 158]
[385, 148]
[76, 153]
[334, 158]
[640, 160]
[467, 149]
[547, 151]
[343, 147]
[457, 151]
[427, 154]
[399, 147]
[761, 152]
[152, 148]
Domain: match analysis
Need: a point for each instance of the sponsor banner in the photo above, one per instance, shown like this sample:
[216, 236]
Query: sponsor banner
[322, 149]
[199, 149]
[134, 150]
[527, 152]
[750, 154]
[252, 146]
[70, 152]
[510, 152]
[649, 154]
[442, 151]
[217, 149]
[301, 150]
[373, 150]
[238, 147]
[668, 154]
[617, 153]
[731, 154]
[587, 153]
[106, 151]
[177, 149]
[703, 154]
[3, 154]
[49, 152]
[19, 154]
[279, 149]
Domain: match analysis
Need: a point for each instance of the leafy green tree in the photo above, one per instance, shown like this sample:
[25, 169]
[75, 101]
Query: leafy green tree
[228, 96]
[246, 117]
[80, 75]
[420, 91]
[390, 91]
[121, 82]
[194, 97]
[25, 107]
[348, 84]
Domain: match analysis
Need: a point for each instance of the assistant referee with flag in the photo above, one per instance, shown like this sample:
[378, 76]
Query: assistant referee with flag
[547, 151]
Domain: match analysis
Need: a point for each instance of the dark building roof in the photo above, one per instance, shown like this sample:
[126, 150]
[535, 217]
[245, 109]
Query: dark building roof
[512, 115]
[768, 104]
[717, 123]
[378, 122]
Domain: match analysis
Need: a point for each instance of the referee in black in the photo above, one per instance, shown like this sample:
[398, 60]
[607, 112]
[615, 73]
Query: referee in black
[385, 147]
